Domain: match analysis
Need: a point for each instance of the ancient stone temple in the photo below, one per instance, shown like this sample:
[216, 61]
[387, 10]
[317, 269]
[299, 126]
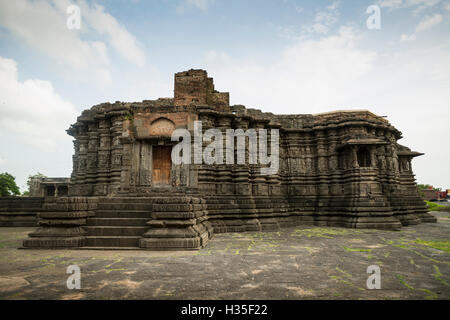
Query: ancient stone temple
[342, 168]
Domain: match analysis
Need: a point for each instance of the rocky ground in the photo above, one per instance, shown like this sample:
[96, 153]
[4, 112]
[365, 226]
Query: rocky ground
[295, 263]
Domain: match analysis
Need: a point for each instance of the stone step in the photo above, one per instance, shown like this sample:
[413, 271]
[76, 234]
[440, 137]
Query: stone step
[32, 210]
[123, 214]
[117, 221]
[109, 248]
[143, 200]
[115, 231]
[153, 192]
[112, 241]
[125, 206]
[18, 223]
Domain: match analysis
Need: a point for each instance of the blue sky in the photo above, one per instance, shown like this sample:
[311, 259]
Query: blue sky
[281, 56]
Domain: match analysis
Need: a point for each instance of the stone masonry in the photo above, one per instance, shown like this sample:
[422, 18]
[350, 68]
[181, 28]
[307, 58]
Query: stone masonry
[342, 168]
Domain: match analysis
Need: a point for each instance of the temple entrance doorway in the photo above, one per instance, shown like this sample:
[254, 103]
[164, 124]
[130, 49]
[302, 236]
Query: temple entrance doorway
[162, 164]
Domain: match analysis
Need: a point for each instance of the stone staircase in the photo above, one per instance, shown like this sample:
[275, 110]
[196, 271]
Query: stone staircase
[118, 223]
[157, 221]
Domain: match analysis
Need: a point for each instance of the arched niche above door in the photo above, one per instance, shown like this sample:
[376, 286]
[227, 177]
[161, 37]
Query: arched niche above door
[162, 127]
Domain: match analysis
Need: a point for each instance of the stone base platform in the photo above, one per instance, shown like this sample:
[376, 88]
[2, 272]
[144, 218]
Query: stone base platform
[19, 211]
[181, 221]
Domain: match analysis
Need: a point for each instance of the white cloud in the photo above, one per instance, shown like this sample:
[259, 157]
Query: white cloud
[298, 9]
[323, 20]
[424, 4]
[333, 6]
[2, 160]
[213, 56]
[32, 110]
[429, 22]
[406, 37]
[309, 75]
[390, 3]
[117, 35]
[419, 4]
[42, 25]
[199, 4]
[316, 28]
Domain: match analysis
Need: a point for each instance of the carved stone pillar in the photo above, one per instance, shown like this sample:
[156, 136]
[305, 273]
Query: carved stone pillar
[178, 222]
[224, 174]
[61, 223]
[104, 158]
[117, 152]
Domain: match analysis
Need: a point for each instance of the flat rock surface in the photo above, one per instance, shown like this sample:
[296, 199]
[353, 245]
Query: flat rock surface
[296, 263]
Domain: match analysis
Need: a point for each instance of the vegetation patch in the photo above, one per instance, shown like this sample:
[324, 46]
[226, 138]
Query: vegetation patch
[439, 245]
[430, 294]
[357, 250]
[410, 245]
[325, 232]
[339, 279]
[438, 276]
[348, 275]
[432, 206]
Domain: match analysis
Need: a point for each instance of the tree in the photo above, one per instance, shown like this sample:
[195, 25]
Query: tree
[421, 187]
[427, 186]
[30, 180]
[8, 186]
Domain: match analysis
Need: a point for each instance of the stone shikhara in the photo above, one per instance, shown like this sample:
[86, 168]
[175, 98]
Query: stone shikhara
[342, 168]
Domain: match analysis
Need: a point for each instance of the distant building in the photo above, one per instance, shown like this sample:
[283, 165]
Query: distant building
[49, 187]
[432, 194]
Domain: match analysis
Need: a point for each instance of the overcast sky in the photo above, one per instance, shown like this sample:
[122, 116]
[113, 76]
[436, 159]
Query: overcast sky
[281, 56]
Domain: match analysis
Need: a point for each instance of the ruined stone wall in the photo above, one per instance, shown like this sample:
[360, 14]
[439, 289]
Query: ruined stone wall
[194, 87]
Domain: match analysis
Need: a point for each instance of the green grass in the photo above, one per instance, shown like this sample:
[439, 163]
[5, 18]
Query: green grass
[357, 250]
[440, 245]
[438, 275]
[403, 282]
[326, 232]
[430, 294]
[432, 206]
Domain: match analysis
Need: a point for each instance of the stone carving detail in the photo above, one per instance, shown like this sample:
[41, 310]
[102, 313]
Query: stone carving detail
[117, 160]
[162, 127]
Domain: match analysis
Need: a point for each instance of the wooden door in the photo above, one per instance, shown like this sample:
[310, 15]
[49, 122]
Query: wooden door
[162, 164]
